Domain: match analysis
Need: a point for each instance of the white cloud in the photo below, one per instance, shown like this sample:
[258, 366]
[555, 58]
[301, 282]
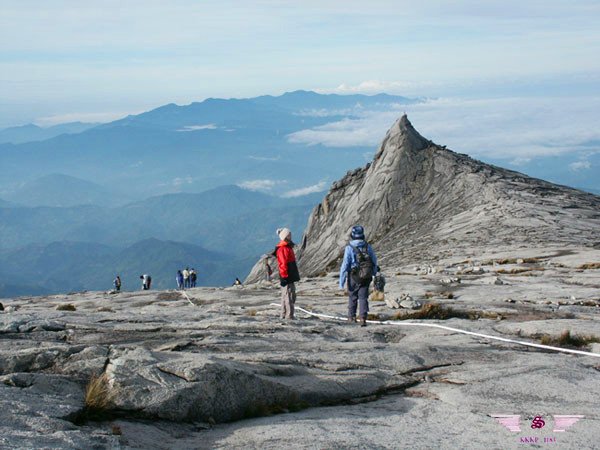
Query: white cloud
[347, 132]
[376, 86]
[580, 165]
[324, 112]
[155, 52]
[517, 129]
[520, 161]
[261, 185]
[93, 117]
[178, 182]
[264, 158]
[319, 187]
[208, 126]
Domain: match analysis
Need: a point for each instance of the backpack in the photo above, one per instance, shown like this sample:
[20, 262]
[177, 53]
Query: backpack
[363, 272]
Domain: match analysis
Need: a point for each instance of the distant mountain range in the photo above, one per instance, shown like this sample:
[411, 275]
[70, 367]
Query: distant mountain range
[199, 146]
[204, 184]
[63, 190]
[31, 132]
[220, 232]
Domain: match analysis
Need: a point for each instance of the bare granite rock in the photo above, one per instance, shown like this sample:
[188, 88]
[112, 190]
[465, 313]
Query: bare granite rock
[217, 368]
[175, 367]
[418, 201]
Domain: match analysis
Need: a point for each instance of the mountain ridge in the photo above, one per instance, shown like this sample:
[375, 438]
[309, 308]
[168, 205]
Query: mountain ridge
[201, 144]
[417, 199]
[31, 132]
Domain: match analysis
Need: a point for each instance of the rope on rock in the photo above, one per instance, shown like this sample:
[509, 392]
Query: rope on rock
[188, 299]
[456, 330]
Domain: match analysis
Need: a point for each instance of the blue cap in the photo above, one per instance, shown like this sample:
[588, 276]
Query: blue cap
[358, 232]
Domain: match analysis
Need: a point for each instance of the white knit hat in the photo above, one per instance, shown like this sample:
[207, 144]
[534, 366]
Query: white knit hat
[283, 233]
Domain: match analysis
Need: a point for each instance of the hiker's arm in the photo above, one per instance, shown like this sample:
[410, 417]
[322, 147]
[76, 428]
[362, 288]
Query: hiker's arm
[282, 259]
[374, 259]
[345, 267]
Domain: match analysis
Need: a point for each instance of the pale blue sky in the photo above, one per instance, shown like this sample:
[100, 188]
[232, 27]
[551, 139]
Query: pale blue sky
[95, 61]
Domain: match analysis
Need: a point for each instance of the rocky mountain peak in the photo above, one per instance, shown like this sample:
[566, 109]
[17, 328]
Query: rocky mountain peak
[419, 200]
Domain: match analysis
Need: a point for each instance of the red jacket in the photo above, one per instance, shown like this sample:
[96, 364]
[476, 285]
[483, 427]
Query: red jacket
[286, 260]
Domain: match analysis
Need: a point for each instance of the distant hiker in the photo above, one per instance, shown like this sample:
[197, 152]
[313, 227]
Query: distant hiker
[378, 287]
[186, 277]
[379, 281]
[146, 281]
[193, 277]
[288, 272]
[237, 282]
[117, 283]
[179, 279]
[358, 268]
[268, 269]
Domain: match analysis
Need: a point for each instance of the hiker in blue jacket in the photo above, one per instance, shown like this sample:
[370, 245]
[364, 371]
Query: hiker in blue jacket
[179, 279]
[358, 268]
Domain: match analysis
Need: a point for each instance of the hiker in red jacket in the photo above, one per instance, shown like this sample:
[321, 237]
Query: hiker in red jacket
[288, 272]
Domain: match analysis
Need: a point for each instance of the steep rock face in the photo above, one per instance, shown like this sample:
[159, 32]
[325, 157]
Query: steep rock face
[418, 200]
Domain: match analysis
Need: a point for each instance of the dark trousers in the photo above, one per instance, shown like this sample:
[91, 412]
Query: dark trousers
[358, 295]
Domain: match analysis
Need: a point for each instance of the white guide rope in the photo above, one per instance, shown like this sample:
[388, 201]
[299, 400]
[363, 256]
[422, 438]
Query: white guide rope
[456, 330]
[188, 299]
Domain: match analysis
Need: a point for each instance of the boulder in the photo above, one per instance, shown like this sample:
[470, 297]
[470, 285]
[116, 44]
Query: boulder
[409, 303]
[392, 302]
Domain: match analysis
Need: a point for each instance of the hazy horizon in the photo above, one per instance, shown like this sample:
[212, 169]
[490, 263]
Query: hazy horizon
[515, 82]
[67, 60]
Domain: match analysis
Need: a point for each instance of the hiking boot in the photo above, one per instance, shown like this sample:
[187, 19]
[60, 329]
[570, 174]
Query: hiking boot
[363, 322]
[352, 319]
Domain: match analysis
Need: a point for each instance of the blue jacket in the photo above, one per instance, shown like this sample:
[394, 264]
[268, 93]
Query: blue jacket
[349, 261]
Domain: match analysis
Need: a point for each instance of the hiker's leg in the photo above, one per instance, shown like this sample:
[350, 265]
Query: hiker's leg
[352, 297]
[363, 301]
[284, 302]
[291, 299]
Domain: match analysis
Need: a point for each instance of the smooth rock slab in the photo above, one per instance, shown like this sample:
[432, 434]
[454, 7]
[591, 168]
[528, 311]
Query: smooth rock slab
[192, 387]
[36, 412]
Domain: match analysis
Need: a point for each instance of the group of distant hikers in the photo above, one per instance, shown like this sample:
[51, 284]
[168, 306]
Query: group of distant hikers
[359, 267]
[146, 282]
[186, 278]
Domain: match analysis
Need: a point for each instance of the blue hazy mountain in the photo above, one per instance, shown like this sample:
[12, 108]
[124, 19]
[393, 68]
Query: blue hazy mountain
[158, 190]
[305, 101]
[210, 219]
[220, 232]
[196, 147]
[64, 190]
[31, 132]
[68, 266]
